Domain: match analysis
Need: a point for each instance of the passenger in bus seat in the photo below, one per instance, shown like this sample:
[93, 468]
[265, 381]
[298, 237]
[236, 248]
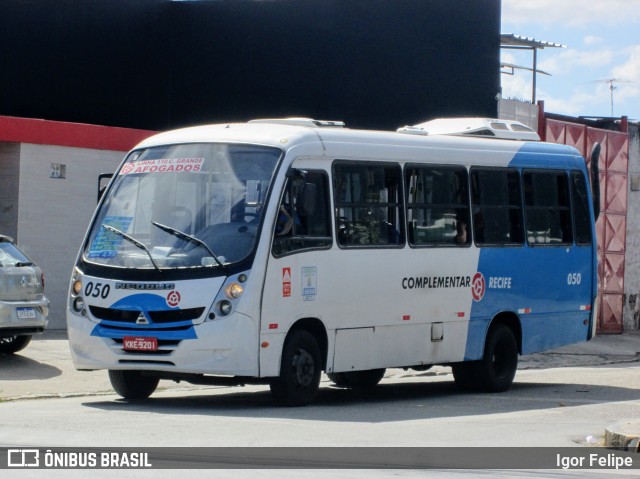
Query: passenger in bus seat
[461, 233]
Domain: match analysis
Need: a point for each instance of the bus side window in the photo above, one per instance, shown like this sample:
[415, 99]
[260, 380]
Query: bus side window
[497, 207]
[368, 202]
[303, 220]
[437, 206]
[548, 213]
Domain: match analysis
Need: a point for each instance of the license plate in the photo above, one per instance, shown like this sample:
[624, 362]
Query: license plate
[26, 313]
[136, 343]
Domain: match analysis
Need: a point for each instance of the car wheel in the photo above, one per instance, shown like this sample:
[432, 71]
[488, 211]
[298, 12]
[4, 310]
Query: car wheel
[13, 344]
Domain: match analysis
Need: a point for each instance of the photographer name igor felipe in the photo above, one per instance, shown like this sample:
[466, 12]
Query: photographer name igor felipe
[610, 460]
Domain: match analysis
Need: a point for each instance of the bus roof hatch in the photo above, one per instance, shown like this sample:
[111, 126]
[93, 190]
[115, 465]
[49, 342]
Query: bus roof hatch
[301, 122]
[478, 127]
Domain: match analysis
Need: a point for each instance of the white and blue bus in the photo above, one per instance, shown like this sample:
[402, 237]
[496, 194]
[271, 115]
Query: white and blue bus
[271, 251]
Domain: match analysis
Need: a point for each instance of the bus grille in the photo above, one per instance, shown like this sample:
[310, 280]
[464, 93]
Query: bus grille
[158, 317]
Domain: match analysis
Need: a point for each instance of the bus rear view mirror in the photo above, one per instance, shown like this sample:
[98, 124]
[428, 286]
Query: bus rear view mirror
[103, 182]
[595, 179]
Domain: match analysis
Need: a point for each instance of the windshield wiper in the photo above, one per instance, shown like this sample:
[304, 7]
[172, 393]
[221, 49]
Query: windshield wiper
[134, 242]
[19, 264]
[190, 239]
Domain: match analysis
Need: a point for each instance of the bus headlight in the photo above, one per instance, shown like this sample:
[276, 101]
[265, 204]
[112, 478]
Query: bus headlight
[77, 287]
[78, 305]
[234, 291]
[225, 307]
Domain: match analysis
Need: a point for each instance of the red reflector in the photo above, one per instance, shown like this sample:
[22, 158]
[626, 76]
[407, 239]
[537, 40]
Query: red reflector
[461, 314]
[273, 326]
[406, 317]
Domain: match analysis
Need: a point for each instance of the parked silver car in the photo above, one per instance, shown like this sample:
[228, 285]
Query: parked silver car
[23, 305]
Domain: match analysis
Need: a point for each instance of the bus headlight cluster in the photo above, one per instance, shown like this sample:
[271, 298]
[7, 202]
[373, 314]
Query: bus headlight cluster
[77, 301]
[228, 296]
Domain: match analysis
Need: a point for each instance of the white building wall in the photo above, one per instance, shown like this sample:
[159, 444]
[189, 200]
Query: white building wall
[54, 212]
[9, 179]
[525, 113]
[631, 318]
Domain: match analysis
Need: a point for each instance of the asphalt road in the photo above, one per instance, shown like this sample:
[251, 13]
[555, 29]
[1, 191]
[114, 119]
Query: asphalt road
[564, 398]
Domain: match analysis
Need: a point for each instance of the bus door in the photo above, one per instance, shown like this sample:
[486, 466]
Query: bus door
[298, 273]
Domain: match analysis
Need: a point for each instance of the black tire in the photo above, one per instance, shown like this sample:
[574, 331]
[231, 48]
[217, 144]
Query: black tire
[500, 362]
[465, 375]
[300, 369]
[338, 379]
[496, 370]
[358, 379]
[133, 384]
[13, 344]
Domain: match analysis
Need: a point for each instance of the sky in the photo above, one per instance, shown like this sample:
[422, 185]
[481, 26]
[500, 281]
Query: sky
[602, 39]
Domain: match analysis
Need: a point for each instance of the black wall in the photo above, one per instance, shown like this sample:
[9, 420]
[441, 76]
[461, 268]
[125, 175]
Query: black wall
[161, 64]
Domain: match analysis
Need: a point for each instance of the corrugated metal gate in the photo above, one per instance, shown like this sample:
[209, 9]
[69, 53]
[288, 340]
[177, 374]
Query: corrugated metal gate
[612, 224]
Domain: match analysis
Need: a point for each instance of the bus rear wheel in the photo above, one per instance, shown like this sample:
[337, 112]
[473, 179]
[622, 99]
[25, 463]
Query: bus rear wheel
[300, 370]
[133, 384]
[357, 379]
[496, 370]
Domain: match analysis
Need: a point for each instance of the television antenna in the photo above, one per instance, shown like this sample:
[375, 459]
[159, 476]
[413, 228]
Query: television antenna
[612, 87]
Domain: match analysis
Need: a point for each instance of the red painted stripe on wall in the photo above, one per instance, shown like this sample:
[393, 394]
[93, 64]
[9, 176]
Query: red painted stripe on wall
[78, 135]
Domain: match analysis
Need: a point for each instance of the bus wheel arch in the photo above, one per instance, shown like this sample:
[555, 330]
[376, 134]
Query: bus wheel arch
[511, 321]
[317, 329]
[495, 371]
[302, 361]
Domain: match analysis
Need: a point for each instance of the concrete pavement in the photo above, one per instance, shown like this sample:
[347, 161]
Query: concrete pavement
[45, 370]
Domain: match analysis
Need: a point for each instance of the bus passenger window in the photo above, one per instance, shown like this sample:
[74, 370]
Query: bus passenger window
[303, 220]
[368, 201]
[437, 206]
[548, 214]
[497, 207]
[580, 203]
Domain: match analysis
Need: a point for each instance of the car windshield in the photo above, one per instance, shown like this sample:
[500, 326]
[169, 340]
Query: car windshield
[10, 255]
[177, 206]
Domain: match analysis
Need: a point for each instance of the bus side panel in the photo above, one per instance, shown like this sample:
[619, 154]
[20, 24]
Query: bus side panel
[381, 308]
[547, 287]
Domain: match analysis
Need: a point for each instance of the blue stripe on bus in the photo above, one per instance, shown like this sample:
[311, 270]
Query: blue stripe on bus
[144, 303]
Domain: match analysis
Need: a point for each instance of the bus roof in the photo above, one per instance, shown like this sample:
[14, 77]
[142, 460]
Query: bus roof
[288, 133]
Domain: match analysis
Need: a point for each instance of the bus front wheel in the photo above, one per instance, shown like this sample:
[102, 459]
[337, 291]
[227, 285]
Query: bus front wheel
[133, 384]
[300, 369]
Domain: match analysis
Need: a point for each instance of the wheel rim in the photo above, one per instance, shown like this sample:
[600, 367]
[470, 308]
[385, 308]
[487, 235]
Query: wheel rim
[8, 340]
[304, 367]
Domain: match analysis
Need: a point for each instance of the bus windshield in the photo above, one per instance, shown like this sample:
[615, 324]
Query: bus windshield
[183, 206]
